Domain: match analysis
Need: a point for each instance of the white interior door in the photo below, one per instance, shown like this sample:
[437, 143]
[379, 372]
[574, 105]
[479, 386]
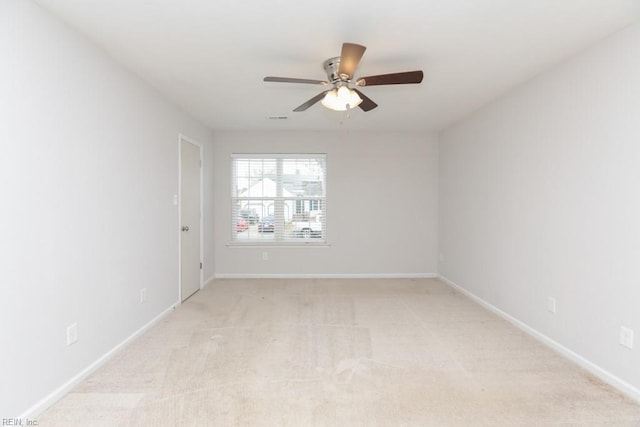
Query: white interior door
[190, 212]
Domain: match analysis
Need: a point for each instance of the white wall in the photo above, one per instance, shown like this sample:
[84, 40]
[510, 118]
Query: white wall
[381, 204]
[88, 165]
[540, 196]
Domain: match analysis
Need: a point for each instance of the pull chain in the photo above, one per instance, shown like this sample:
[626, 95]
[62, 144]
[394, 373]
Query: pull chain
[346, 115]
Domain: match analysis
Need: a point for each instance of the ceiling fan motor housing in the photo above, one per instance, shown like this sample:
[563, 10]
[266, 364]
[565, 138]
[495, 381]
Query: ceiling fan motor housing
[331, 67]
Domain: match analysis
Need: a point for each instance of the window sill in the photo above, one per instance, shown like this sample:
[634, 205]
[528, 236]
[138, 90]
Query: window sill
[278, 245]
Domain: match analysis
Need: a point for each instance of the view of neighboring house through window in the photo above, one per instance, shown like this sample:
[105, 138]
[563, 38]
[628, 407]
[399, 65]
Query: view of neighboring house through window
[278, 198]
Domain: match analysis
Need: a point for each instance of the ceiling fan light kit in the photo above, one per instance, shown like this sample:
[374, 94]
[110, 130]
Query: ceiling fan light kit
[340, 71]
[341, 99]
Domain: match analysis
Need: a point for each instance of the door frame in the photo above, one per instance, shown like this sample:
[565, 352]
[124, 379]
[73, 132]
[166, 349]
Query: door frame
[184, 138]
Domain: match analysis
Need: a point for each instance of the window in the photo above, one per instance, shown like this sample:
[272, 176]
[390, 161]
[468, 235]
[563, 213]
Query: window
[278, 198]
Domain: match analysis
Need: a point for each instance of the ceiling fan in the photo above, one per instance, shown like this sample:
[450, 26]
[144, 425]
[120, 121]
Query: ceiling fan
[340, 71]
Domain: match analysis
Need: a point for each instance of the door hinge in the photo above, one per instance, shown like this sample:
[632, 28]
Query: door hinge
[200, 266]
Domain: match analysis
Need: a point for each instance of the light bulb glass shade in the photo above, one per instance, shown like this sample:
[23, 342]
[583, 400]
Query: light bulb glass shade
[340, 99]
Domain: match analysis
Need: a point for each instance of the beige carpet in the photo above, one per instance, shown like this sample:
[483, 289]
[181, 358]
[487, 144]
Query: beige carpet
[338, 353]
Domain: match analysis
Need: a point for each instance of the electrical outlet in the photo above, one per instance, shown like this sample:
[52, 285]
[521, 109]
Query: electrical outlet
[265, 256]
[143, 295]
[441, 257]
[626, 337]
[551, 305]
[72, 333]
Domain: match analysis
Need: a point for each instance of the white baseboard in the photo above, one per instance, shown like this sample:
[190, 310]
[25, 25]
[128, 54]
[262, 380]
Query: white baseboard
[326, 276]
[208, 281]
[596, 370]
[58, 393]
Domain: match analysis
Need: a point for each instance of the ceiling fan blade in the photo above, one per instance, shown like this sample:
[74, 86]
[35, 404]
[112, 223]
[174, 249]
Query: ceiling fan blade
[366, 104]
[391, 79]
[350, 58]
[292, 80]
[310, 102]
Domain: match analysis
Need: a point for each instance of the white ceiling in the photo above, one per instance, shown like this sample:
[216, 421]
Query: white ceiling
[209, 56]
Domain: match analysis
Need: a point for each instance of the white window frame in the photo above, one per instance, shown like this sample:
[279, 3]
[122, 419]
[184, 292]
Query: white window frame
[279, 201]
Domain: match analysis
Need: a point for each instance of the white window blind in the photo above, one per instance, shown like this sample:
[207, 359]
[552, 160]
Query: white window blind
[278, 198]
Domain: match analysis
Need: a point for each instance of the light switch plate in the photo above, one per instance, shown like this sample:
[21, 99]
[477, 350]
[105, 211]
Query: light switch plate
[72, 333]
[626, 337]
